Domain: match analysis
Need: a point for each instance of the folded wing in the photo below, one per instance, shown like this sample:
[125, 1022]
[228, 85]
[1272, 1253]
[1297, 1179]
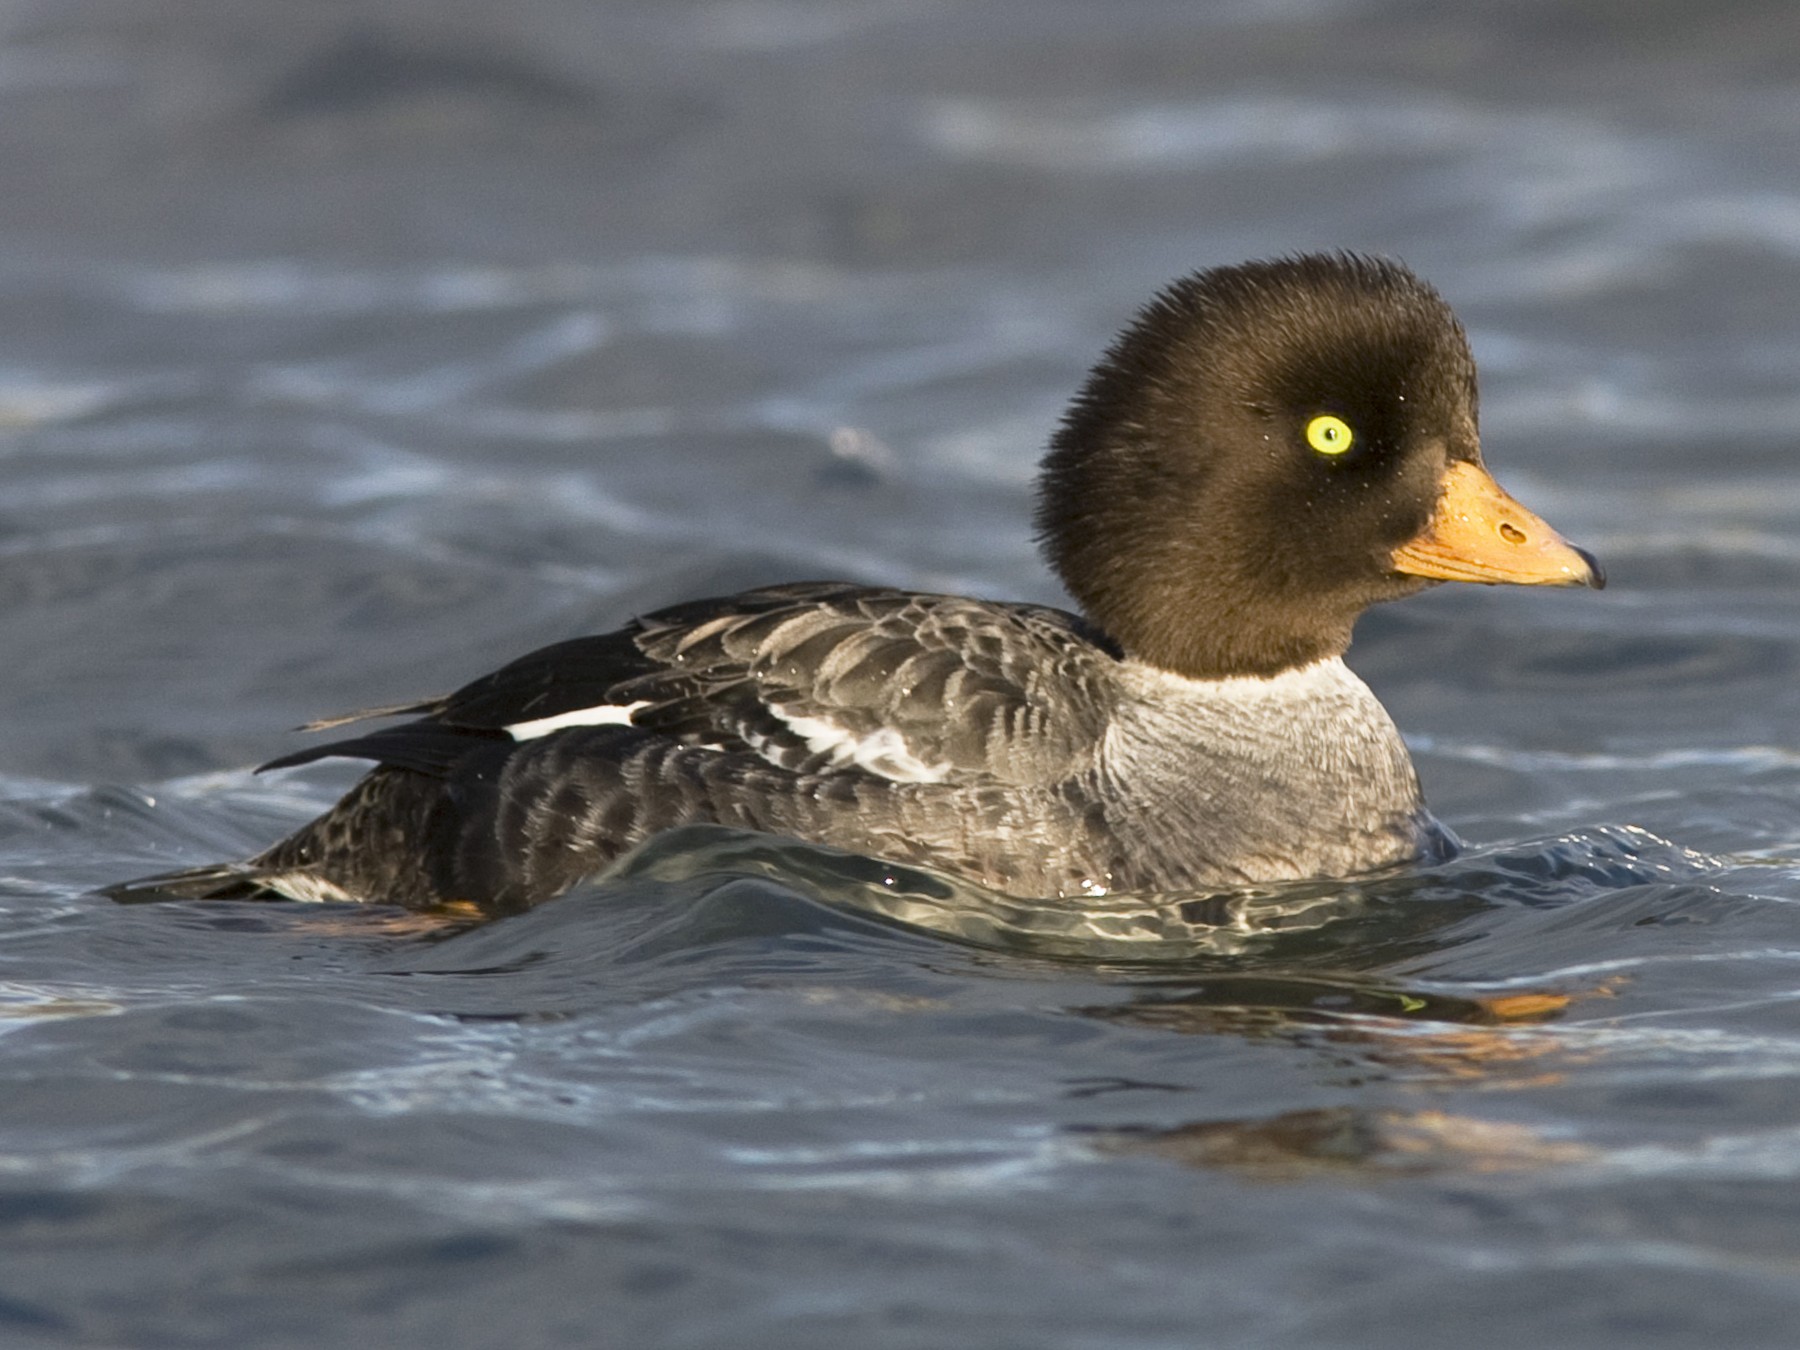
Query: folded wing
[809, 678]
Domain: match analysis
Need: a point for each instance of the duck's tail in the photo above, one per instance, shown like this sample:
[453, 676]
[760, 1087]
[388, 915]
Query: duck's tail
[216, 881]
[364, 848]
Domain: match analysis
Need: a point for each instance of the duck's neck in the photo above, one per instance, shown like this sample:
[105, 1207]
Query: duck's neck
[1253, 645]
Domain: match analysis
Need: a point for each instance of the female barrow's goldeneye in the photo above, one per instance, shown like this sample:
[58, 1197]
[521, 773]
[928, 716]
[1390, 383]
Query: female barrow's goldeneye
[1267, 450]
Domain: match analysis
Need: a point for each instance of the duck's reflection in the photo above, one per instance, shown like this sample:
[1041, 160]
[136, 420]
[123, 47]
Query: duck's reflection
[1354, 1007]
[1411, 1036]
[1344, 1140]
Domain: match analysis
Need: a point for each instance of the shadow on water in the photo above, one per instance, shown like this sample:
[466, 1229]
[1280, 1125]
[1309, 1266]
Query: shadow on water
[1384, 917]
[1500, 968]
[765, 906]
[1359, 974]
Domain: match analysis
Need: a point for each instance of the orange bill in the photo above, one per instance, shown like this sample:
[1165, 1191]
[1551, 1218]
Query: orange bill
[1478, 533]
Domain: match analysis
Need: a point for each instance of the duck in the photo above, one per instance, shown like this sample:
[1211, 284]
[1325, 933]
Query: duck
[1264, 452]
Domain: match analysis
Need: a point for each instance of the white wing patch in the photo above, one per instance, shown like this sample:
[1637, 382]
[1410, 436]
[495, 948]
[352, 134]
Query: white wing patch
[603, 715]
[882, 752]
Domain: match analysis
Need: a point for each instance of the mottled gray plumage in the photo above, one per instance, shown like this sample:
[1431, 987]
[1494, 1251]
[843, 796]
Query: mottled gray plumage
[1061, 768]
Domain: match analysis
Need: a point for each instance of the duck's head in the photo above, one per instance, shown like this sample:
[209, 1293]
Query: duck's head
[1267, 451]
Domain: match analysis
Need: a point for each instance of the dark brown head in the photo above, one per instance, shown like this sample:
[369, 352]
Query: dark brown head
[1267, 451]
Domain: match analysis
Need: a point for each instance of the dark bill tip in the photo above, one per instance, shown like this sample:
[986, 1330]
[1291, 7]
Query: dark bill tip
[1596, 573]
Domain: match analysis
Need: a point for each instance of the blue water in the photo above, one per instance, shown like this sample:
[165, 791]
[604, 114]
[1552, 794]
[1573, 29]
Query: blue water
[347, 350]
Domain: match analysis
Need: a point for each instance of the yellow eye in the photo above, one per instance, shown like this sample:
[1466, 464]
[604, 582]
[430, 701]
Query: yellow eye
[1329, 435]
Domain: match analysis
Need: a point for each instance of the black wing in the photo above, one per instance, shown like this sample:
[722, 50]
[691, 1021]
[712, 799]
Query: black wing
[807, 677]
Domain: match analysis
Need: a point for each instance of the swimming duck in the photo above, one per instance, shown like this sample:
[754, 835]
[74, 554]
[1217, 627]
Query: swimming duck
[1266, 451]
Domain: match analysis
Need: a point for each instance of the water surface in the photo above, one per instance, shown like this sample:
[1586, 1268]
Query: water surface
[348, 350]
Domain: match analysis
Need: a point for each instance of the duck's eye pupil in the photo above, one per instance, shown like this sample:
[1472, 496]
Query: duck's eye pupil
[1329, 435]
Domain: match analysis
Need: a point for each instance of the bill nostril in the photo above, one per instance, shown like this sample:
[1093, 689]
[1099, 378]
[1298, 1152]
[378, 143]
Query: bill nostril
[1511, 532]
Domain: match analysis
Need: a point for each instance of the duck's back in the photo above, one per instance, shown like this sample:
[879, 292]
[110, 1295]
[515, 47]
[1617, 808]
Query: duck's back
[934, 729]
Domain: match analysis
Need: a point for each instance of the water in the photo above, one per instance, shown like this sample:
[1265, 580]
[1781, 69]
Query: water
[347, 350]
